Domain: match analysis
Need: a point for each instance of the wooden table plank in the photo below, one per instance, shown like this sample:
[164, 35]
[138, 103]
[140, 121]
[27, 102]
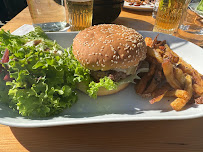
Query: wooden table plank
[153, 136]
[8, 142]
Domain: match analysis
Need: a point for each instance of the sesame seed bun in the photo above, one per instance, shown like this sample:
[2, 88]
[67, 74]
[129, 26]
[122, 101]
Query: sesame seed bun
[109, 46]
[102, 91]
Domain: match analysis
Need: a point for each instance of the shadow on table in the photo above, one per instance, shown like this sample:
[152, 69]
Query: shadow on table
[134, 23]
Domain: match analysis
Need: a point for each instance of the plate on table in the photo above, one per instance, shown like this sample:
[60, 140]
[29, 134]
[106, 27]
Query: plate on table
[145, 7]
[120, 107]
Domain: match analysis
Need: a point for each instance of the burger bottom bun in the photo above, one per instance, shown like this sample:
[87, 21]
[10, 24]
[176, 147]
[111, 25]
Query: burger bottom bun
[103, 91]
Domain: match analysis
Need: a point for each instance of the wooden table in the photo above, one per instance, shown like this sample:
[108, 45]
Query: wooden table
[153, 136]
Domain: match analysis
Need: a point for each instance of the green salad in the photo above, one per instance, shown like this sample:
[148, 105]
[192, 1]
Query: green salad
[39, 77]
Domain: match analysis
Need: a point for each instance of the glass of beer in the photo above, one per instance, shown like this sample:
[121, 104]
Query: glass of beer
[79, 14]
[169, 15]
[50, 15]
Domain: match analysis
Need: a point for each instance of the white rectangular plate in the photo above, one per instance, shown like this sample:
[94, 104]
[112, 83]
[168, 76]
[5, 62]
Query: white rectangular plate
[123, 106]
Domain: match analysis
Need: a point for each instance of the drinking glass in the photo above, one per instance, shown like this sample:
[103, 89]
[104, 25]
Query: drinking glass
[50, 15]
[191, 25]
[155, 8]
[169, 15]
[79, 14]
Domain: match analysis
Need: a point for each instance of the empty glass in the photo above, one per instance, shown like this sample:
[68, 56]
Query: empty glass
[191, 26]
[50, 15]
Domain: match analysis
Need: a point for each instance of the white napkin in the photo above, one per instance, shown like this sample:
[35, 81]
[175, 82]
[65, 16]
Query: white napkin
[26, 28]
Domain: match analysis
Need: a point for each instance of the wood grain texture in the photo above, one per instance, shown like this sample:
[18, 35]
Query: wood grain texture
[153, 136]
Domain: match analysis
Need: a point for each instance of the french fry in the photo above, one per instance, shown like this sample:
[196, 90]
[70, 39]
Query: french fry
[158, 98]
[161, 43]
[179, 103]
[183, 65]
[169, 55]
[197, 78]
[198, 89]
[155, 81]
[172, 77]
[145, 79]
[185, 68]
[162, 48]
[159, 93]
[168, 72]
[148, 41]
[155, 41]
[177, 93]
[188, 86]
[155, 53]
[180, 76]
[168, 49]
[199, 100]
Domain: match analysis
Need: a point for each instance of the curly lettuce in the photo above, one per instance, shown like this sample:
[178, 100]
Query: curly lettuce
[105, 82]
[109, 84]
[43, 81]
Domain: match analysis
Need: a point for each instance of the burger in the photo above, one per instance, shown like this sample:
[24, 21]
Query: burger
[112, 53]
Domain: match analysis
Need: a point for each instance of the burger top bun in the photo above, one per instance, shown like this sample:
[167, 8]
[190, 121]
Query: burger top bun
[109, 46]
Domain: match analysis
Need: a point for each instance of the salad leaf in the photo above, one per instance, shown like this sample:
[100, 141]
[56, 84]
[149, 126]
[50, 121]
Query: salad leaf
[200, 6]
[105, 82]
[44, 76]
